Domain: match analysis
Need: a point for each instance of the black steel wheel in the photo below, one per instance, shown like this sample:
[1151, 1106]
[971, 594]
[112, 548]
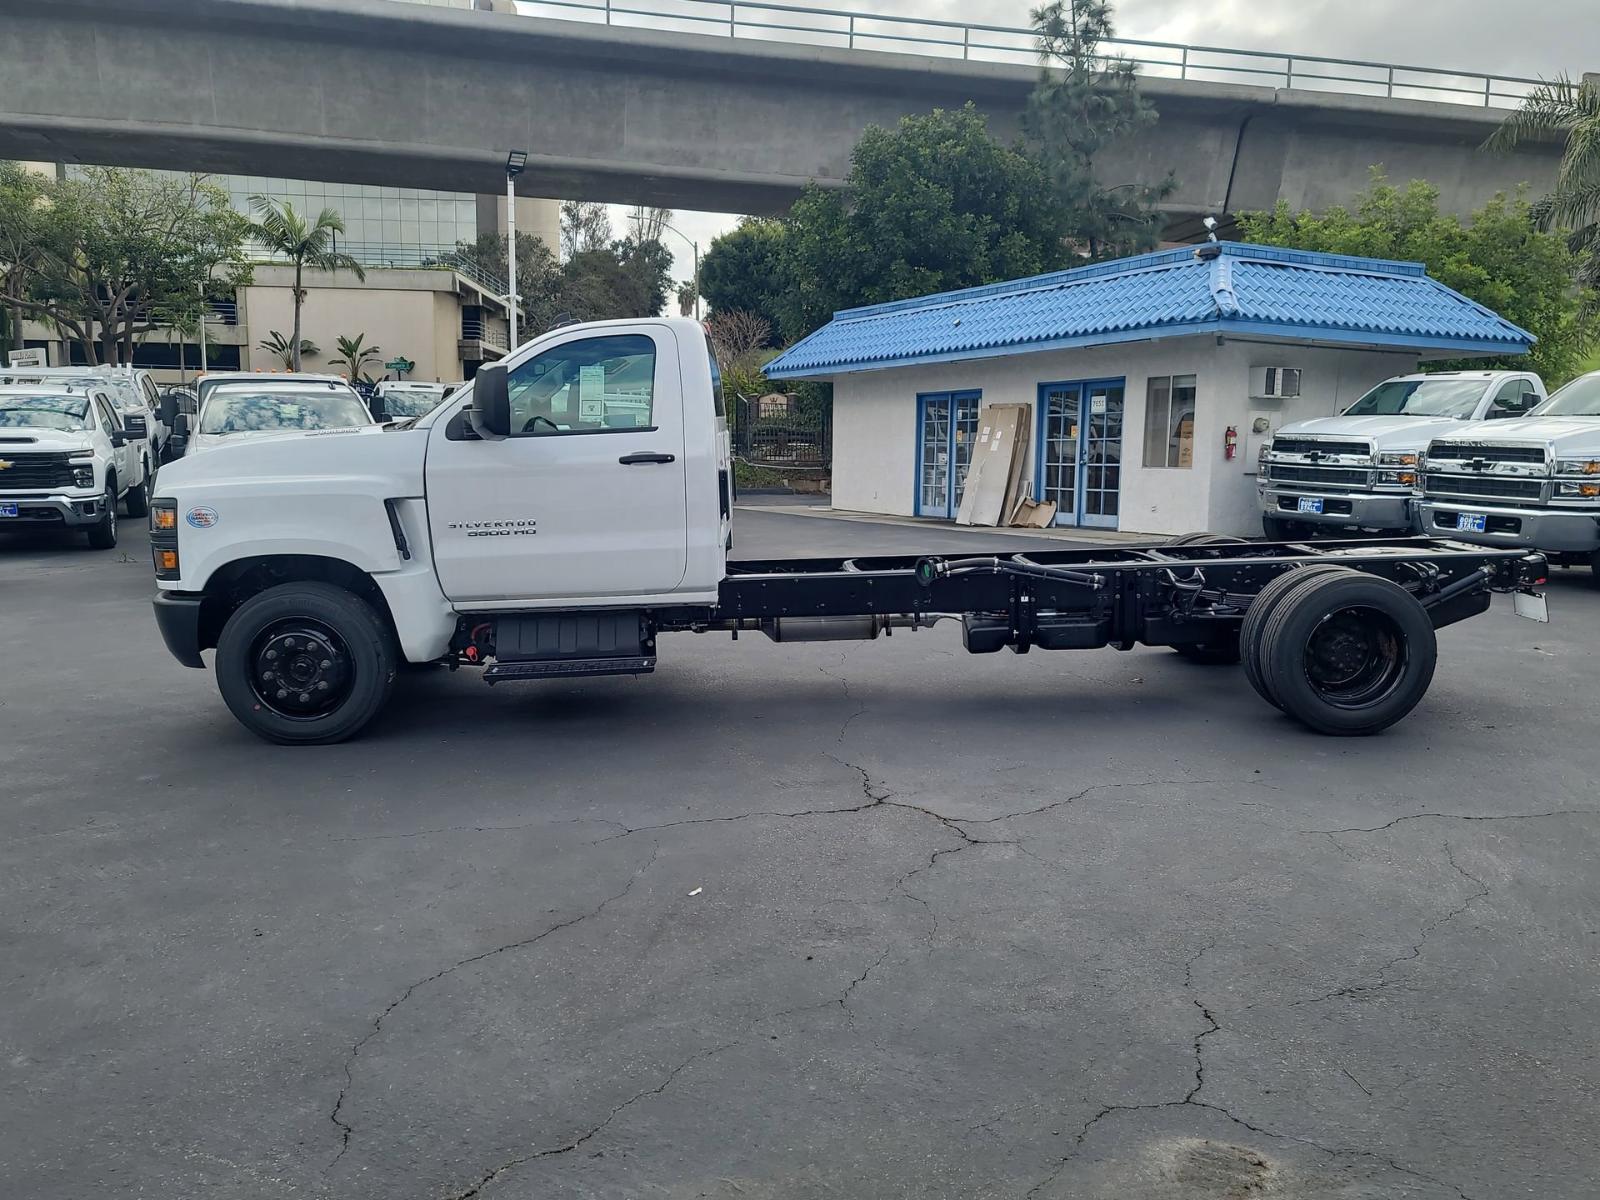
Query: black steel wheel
[305, 663]
[1348, 654]
[1255, 618]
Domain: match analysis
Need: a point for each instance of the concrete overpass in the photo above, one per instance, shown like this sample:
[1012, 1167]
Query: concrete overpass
[380, 92]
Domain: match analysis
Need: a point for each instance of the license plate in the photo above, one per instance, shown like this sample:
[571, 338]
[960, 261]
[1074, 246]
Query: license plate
[1311, 504]
[1471, 523]
[1531, 605]
[8, 510]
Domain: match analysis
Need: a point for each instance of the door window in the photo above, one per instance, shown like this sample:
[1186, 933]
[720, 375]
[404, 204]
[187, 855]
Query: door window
[595, 385]
[1169, 421]
[949, 427]
[107, 415]
[1080, 451]
[1515, 397]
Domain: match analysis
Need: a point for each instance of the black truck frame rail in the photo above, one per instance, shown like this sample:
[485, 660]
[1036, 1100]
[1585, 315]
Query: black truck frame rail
[1338, 634]
[1174, 595]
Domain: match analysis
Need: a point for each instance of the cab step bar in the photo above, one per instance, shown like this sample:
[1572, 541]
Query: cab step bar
[569, 668]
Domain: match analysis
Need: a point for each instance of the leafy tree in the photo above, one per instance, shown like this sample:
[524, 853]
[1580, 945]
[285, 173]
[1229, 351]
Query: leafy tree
[1500, 259]
[934, 204]
[114, 254]
[306, 243]
[287, 352]
[584, 226]
[24, 213]
[1084, 101]
[1570, 111]
[354, 354]
[742, 270]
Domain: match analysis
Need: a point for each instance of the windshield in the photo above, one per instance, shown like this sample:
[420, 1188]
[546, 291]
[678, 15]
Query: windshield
[1420, 398]
[412, 402]
[1580, 398]
[68, 414]
[247, 410]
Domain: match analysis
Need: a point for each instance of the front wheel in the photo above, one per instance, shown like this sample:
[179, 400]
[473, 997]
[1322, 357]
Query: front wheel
[138, 498]
[305, 664]
[103, 533]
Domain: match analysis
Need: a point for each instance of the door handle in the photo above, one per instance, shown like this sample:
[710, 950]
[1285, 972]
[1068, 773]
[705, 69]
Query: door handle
[646, 456]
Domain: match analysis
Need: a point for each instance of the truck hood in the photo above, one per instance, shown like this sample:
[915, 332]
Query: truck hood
[1579, 434]
[389, 458]
[34, 440]
[1397, 432]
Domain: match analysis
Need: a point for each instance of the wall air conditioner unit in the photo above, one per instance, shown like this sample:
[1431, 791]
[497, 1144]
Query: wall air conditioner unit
[1274, 383]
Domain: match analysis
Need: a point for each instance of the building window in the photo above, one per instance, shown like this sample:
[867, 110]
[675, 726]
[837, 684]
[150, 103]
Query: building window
[1169, 421]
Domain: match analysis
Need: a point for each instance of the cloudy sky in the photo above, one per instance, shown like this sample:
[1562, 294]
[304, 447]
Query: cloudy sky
[1536, 38]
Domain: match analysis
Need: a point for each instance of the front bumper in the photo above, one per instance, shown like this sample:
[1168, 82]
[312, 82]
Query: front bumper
[1370, 510]
[178, 618]
[55, 509]
[1536, 528]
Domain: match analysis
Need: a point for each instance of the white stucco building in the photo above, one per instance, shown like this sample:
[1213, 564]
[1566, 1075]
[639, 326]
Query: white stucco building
[1147, 377]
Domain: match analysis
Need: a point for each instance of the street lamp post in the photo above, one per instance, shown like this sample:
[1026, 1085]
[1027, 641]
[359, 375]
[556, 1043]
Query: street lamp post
[516, 161]
[695, 247]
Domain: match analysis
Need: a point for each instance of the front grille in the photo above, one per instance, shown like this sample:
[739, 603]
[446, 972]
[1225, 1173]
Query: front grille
[1304, 445]
[1489, 454]
[1320, 476]
[1485, 486]
[35, 471]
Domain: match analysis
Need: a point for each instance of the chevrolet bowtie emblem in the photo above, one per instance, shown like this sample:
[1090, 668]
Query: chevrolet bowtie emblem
[5, 464]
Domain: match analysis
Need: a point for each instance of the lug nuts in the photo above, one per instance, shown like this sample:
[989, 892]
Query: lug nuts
[271, 654]
[283, 693]
[326, 663]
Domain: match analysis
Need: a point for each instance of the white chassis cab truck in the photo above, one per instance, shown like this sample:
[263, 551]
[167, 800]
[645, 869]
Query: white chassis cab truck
[1357, 471]
[574, 502]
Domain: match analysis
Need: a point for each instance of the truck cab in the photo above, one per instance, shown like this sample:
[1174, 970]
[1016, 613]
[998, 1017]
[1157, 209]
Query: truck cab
[1533, 483]
[1358, 470]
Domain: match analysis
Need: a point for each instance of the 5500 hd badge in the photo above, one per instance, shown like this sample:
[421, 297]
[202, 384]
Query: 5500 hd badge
[494, 528]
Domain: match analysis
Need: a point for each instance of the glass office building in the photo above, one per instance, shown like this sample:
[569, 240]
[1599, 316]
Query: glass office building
[376, 219]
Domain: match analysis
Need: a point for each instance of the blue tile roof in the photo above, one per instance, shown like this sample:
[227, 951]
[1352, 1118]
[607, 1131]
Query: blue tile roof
[1242, 290]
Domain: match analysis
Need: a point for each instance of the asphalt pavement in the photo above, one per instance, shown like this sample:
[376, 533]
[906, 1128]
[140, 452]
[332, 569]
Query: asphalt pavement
[865, 920]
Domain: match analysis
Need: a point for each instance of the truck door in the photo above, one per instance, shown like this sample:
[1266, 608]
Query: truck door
[586, 498]
[124, 457]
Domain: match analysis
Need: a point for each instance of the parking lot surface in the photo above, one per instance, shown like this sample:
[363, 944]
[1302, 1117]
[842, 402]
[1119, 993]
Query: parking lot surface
[861, 920]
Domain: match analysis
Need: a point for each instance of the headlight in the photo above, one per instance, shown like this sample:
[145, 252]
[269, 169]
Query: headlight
[1579, 491]
[164, 516]
[1397, 460]
[1266, 449]
[1578, 466]
[83, 475]
[1397, 478]
[76, 454]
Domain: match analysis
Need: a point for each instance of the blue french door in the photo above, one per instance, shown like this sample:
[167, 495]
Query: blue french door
[947, 425]
[1080, 451]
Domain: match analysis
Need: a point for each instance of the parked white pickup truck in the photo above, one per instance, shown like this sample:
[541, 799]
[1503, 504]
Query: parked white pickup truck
[67, 460]
[1533, 483]
[236, 407]
[1358, 470]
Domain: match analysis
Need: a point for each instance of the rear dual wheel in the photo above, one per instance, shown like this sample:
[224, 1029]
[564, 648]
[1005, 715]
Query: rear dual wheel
[1343, 652]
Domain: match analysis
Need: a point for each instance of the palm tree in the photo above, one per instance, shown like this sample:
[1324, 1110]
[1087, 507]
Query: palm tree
[353, 354]
[288, 234]
[1569, 111]
[288, 353]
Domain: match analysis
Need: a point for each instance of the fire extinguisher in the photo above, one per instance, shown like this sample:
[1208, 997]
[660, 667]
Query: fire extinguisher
[1230, 443]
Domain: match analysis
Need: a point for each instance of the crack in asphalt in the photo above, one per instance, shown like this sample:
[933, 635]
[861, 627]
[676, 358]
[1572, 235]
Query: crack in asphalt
[1102, 787]
[1555, 812]
[346, 1130]
[489, 1178]
[1191, 1100]
[1415, 950]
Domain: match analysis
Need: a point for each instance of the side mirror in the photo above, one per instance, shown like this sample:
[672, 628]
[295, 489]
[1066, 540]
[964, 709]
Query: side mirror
[136, 429]
[491, 401]
[168, 410]
[180, 425]
[119, 438]
[379, 407]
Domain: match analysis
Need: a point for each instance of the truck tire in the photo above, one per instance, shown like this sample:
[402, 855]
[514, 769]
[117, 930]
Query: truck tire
[305, 664]
[1268, 598]
[1348, 654]
[103, 533]
[1594, 566]
[138, 498]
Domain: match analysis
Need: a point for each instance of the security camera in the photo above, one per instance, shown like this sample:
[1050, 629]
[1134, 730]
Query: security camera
[1210, 223]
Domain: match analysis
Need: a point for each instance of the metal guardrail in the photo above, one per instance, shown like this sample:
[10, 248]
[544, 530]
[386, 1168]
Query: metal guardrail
[389, 254]
[475, 329]
[793, 23]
